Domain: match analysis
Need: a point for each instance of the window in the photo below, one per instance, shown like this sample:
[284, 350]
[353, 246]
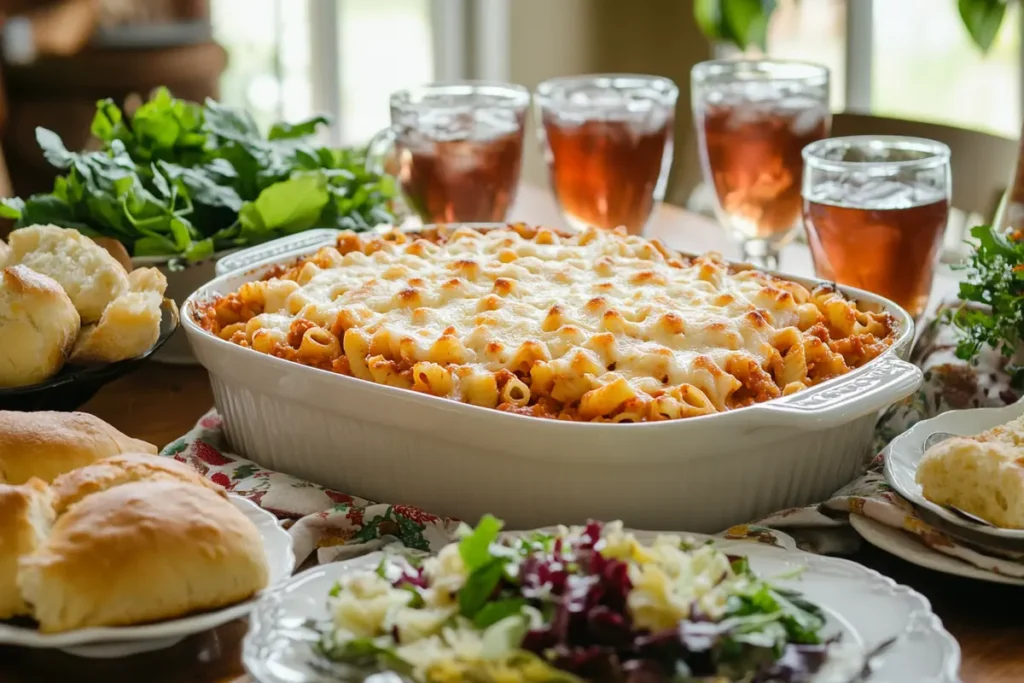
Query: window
[291, 58]
[938, 74]
[910, 59]
[813, 32]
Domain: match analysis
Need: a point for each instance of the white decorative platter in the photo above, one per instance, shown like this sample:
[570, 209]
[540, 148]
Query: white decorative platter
[906, 547]
[866, 607]
[904, 453]
[103, 642]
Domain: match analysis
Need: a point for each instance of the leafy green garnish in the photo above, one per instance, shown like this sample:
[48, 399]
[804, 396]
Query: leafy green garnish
[494, 612]
[480, 586]
[364, 653]
[801, 620]
[475, 546]
[993, 289]
[187, 180]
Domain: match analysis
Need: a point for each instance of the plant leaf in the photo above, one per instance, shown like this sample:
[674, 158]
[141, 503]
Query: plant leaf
[710, 20]
[293, 205]
[302, 129]
[748, 21]
[982, 19]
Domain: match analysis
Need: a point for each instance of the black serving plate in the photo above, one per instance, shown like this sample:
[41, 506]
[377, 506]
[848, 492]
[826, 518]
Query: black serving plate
[74, 385]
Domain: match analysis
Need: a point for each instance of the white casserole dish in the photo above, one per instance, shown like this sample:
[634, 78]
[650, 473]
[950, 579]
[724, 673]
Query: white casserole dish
[454, 459]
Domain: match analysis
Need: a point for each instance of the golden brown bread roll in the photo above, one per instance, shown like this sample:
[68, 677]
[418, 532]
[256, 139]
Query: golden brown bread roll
[147, 280]
[38, 326]
[48, 444]
[983, 478]
[87, 272]
[72, 487]
[26, 514]
[117, 250]
[129, 327]
[142, 552]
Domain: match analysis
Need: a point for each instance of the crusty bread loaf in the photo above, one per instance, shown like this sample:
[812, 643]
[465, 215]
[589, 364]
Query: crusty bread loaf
[38, 326]
[142, 552]
[72, 487]
[129, 327]
[984, 478]
[48, 444]
[87, 272]
[26, 515]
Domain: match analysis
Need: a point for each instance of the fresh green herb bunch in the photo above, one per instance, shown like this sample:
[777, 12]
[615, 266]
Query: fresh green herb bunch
[185, 180]
[995, 280]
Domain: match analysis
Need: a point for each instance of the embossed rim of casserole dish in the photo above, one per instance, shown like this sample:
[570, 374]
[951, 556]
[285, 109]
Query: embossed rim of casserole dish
[869, 388]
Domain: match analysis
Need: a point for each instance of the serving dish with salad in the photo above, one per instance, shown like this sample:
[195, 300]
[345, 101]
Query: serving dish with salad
[595, 603]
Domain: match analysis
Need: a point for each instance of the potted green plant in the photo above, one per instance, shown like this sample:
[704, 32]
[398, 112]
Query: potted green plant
[744, 23]
[181, 184]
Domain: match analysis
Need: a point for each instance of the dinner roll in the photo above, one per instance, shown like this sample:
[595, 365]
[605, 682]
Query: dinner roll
[142, 552]
[87, 272]
[38, 326]
[129, 327]
[75, 485]
[26, 515]
[985, 479]
[48, 444]
[147, 280]
[117, 250]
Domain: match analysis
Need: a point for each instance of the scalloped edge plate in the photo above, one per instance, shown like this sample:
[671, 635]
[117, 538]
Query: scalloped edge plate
[904, 453]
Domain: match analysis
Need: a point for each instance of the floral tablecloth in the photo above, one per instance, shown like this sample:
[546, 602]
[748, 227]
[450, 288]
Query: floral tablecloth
[333, 525]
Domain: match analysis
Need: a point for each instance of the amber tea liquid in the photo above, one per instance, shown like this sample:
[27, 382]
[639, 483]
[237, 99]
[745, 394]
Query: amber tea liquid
[884, 238]
[752, 151]
[605, 172]
[454, 170]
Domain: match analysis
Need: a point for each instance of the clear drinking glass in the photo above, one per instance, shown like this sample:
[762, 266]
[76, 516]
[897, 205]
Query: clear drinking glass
[456, 149]
[607, 140]
[876, 210]
[753, 118]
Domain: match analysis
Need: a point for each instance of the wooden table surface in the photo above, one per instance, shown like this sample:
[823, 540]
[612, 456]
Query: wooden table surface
[161, 402]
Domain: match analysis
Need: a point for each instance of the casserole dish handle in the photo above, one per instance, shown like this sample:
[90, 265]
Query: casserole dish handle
[869, 390]
[275, 249]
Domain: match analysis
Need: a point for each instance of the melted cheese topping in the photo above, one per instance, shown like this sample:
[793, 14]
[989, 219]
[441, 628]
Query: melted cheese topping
[595, 325]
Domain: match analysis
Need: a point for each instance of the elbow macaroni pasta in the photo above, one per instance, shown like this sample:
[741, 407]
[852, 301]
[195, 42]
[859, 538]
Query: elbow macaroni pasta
[597, 326]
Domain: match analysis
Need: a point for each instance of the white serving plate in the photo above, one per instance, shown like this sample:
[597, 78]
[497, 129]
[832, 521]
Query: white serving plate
[459, 460]
[905, 452]
[121, 641]
[866, 607]
[908, 547]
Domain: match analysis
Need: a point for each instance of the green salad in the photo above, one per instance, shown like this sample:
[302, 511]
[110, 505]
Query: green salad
[185, 180]
[583, 604]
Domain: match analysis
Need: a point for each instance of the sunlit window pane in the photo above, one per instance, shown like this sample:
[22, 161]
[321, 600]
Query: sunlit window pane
[813, 31]
[930, 70]
[385, 46]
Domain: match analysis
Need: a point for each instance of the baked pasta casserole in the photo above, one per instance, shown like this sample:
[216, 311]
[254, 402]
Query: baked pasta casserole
[594, 326]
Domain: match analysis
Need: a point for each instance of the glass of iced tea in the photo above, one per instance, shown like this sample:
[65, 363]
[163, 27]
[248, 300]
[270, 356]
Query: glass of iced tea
[456, 149]
[753, 118]
[607, 140]
[876, 210]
